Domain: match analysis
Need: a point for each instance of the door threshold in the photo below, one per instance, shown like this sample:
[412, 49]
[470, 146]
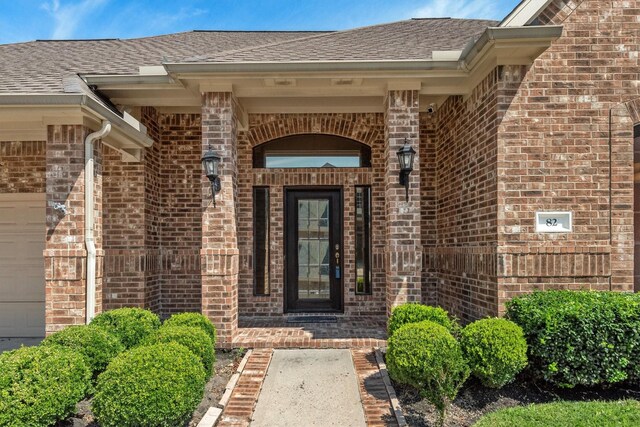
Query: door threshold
[312, 319]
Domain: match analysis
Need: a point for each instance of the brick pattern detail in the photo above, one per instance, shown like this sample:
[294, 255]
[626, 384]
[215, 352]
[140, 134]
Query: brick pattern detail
[65, 253]
[22, 166]
[241, 405]
[219, 254]
[557, 12]
[377, 407]
[403, 252]
[365, 128]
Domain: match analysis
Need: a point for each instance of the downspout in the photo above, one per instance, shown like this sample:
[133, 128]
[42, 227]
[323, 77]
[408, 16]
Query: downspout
[89, 222]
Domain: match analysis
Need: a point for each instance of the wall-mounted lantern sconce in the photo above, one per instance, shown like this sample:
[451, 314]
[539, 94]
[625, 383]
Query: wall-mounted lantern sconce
[405, 158]
[210, 163]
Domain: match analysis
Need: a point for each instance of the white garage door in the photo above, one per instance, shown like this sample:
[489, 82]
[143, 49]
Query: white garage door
[22, 240]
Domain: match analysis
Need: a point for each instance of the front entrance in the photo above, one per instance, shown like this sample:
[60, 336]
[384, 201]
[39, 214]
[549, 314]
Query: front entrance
[313, 250]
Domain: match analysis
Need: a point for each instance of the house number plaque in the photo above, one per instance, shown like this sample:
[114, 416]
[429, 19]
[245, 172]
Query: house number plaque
[553, 222]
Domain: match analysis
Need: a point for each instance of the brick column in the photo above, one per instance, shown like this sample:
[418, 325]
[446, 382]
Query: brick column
[403, 252]
[219, 254]
[622, 217]
[65, 255]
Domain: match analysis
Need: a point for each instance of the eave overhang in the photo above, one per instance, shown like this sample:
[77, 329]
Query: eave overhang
[315, 86]
[26, 116]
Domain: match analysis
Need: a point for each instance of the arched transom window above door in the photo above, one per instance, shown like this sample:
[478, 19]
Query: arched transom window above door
[312, 151]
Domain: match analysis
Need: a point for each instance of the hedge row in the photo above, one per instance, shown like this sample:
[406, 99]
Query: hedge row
[145, 373]
[581, 337]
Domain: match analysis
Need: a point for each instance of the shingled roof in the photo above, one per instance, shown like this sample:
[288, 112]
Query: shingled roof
[39, 66]
[414, 39]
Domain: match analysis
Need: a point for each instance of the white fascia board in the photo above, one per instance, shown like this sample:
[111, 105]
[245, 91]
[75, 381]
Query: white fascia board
[524, 13]
[131, 128]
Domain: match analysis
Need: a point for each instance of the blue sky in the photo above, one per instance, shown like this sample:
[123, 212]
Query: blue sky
[23, 20]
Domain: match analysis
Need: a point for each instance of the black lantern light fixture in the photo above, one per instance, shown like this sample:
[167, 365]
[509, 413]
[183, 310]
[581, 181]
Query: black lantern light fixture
[405, 158]
[210, 163]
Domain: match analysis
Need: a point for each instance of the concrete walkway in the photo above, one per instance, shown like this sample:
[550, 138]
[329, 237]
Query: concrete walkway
[310, 388]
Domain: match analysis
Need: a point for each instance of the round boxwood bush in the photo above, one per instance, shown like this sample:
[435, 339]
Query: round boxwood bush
[580, 337]
[495, 350]
[97, 345]
[193, 319]
[426, 356]
[191, 337]
[41, 385]
[130, 325]
[153, 386]
[414, 313]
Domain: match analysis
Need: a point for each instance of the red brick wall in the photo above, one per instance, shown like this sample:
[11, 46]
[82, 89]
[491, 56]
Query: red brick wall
[466, 197]
[181, 213]
[22, 166]
[429, 204]
[365, 128]
[65, 255]
[554, 144]
[132, 228]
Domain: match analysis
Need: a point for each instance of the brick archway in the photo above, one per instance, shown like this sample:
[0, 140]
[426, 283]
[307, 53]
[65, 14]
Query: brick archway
[355, 129]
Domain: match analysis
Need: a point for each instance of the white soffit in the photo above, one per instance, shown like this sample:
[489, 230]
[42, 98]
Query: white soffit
[524, 13]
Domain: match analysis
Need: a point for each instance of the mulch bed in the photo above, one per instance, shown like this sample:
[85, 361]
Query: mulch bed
[475, 400]
[225, 366]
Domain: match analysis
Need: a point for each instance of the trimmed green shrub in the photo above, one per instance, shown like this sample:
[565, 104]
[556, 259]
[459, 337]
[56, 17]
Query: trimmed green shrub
[414, 313]
[193, 319]
[40, 385]
[495, 350]
[152, 386]
[580, 337]
[130, 325]
[625, 413]
[97, 345]
[426, 356]
[195, 339]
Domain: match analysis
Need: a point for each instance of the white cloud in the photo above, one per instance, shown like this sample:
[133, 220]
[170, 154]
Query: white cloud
[460, 9]
[67, 16]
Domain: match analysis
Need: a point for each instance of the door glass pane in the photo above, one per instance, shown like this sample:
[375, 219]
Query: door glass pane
[363, 240]
[261, 239]
[313, 249]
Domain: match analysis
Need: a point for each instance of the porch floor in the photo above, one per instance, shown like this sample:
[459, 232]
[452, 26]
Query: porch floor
[346, 332]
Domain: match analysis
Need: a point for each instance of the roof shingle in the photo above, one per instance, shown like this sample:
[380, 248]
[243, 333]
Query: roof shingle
[39, 66]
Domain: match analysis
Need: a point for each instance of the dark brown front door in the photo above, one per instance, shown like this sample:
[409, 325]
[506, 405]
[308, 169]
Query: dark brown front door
[313, 249]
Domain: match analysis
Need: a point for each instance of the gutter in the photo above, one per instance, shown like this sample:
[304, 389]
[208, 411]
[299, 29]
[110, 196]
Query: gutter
[89, 223]
[496, 34]
[492, 34]
[131, 129]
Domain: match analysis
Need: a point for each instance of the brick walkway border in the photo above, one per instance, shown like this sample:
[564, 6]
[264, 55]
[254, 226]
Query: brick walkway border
[239, 409]
[374, 394]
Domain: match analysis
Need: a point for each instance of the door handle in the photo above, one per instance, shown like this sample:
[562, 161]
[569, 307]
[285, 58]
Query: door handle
[337, 265]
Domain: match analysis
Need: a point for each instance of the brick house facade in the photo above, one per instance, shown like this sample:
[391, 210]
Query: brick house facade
[527, 118]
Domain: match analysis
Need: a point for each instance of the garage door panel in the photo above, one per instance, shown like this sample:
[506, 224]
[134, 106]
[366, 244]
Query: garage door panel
[21, 319]
[14, 246]
[22, 242]
[21, 283]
